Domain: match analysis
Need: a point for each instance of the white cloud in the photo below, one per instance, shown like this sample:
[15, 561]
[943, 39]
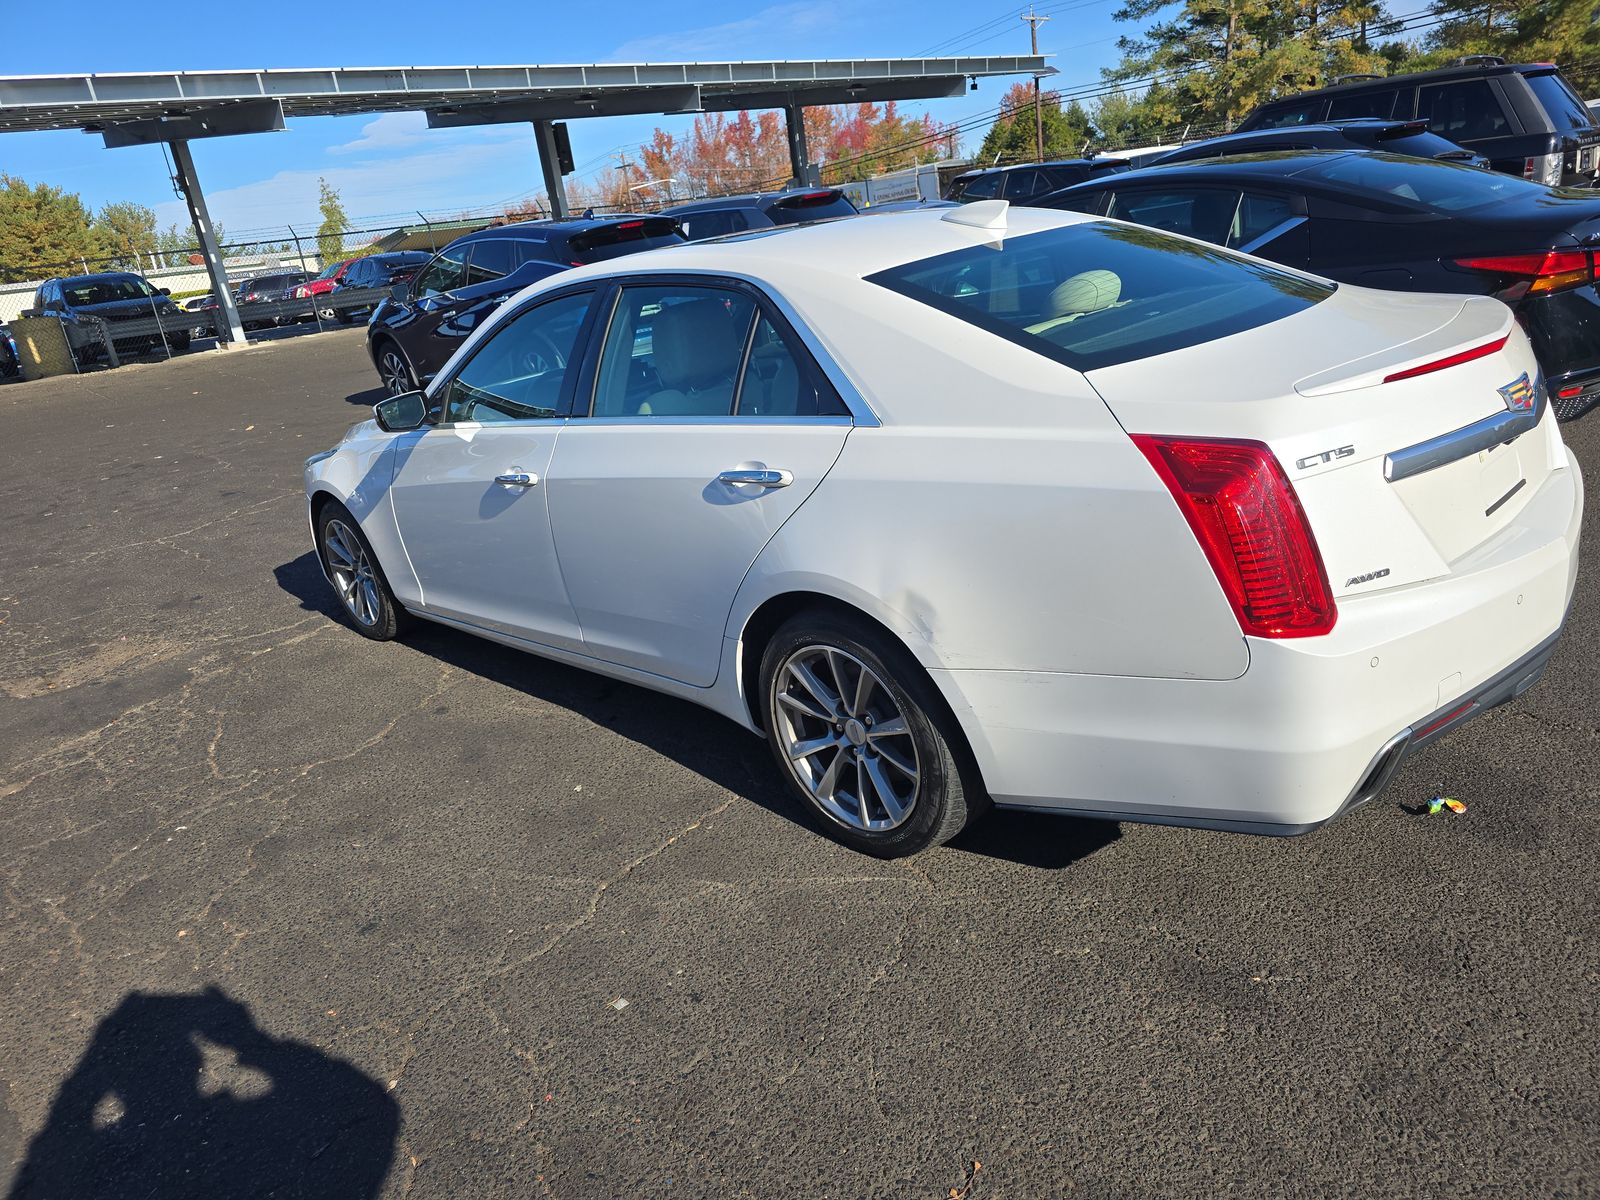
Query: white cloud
[774, 25]
[387, 132]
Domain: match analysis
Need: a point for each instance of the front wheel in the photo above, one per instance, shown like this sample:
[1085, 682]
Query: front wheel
[863, 738]
[395, 371]
[357, 579]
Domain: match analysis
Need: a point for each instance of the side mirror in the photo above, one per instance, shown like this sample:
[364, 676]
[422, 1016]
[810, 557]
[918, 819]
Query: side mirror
[400, 413]
[165, 291]
[401, 291]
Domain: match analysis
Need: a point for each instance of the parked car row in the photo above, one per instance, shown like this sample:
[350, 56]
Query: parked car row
[1222, 543]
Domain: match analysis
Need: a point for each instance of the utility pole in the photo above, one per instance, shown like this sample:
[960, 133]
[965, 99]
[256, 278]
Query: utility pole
[1038, 112]
[625, 165]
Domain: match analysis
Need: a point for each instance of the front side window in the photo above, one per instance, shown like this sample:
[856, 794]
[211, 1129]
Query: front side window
[1203, 213]
[673, 352]
[1463, 111]
[444, 273]
[519, 372]
[1097, 294]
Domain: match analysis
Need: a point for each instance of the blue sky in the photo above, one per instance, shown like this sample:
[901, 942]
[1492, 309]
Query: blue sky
[391, 165]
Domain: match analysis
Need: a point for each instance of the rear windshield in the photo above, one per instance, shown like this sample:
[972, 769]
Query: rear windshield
[1565, 109]
[816, 206]
[625, 237]
[1098, 294]
[1437, 186]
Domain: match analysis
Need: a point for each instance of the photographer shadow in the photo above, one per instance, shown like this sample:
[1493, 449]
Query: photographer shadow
[184, 1097]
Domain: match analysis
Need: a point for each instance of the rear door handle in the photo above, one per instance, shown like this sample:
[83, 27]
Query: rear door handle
[766, 478]
[517, 479]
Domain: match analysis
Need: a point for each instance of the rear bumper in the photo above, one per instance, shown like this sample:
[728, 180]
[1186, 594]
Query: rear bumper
[1315, 726]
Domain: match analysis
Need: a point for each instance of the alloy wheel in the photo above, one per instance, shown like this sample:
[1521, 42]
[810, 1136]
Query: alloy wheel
[352, 572]
[396, 375]
[845, 738]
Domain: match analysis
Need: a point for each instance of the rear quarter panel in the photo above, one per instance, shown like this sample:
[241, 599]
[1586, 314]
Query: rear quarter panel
[999, 518]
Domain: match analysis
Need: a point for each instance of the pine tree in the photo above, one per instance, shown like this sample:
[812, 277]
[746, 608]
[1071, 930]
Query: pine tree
[43, 230]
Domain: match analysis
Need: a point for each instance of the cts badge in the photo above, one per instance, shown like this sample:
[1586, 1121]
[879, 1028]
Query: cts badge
[1327, 456]
[1519, 394]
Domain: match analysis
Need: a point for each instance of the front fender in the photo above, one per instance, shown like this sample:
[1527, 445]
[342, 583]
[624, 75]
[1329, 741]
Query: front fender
[358, 474]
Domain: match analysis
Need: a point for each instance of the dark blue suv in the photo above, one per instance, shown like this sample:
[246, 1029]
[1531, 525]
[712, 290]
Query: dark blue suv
[702, 219]
[414, 333]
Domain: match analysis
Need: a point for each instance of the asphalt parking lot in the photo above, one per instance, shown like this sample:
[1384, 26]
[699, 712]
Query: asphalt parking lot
[287, 912]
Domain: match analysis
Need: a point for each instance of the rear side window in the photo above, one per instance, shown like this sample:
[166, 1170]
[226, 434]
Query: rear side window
[1098, 294]
[697, 226]
[1022, 184]
[1258, 214]
[1307, 112]
[492, 259]
[1422, 183]
[813, 206]
[1462, 111]
[1366, 104]
[984, 187]
[1566, 111]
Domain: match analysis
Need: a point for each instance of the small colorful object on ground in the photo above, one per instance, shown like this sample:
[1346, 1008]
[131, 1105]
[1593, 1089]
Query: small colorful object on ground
[1440, 803]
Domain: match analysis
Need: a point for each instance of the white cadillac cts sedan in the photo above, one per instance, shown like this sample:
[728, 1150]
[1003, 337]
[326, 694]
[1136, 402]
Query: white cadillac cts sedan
[975, 505]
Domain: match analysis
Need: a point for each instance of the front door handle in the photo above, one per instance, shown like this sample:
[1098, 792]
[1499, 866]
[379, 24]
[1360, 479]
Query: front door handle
[767, 478]
[515, 478]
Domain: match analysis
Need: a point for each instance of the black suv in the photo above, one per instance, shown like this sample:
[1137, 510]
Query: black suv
[1525, 119]
[1020, 183]
[127, 306]
[1410, 138]
[365, 274]
[701, 219]
[413, 333]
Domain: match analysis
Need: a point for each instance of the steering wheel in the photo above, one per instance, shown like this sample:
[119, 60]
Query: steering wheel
[542, 355]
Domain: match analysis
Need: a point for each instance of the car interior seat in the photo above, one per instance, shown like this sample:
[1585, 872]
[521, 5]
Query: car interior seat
[696, 346]
[1085, 292]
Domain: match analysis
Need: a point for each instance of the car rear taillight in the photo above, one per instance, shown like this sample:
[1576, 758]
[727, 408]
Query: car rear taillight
[1543, 168]
[1249, 522]
[1450, 360]
[1552, 271]
[300, 293]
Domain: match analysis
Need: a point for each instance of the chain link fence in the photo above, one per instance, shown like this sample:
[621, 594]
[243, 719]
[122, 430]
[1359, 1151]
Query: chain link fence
[157, 303]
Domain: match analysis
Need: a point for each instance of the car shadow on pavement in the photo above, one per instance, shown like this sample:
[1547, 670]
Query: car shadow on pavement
[692, 736]
[184, 1097]
[367, 398]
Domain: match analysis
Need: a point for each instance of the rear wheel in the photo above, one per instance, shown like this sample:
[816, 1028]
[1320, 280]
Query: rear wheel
[394, 370]
[357, 579]
[863, 738]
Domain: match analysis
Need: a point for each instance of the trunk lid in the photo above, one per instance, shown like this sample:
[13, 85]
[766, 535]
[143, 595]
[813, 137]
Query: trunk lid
[1317, 388]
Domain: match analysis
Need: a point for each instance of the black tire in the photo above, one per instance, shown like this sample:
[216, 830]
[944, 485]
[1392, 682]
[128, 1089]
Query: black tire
[342, 315]
[179, 342]
[394, 369]
[387, 619]
[945, 793]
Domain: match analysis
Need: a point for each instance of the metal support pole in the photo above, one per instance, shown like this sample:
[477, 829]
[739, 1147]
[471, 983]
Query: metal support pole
[544, 135]
[229, 327]
[799, 160]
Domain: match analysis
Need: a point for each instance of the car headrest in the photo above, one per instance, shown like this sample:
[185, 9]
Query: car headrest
[1087, 292]
[695, 344]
